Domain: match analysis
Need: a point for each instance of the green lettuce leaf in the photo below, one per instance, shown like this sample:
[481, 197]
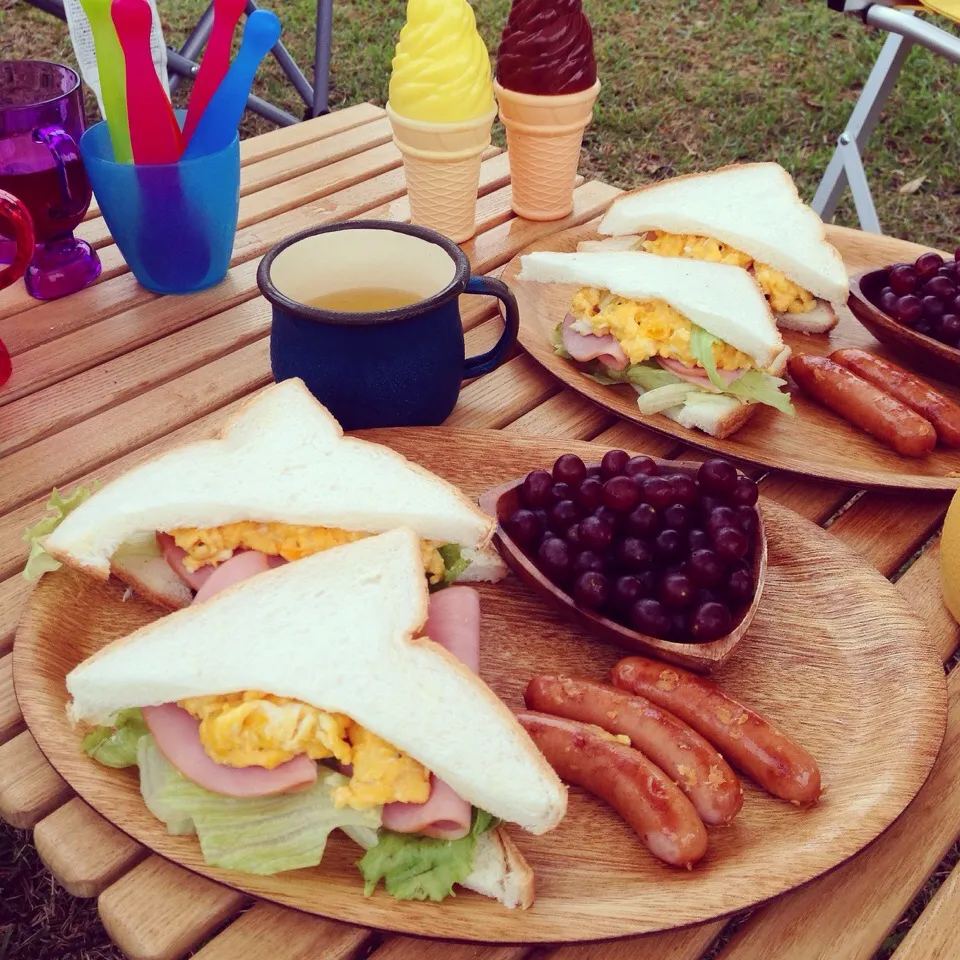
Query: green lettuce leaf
[701, 346]
[762, 388]
[666, 398]
[116, 746]
[262, 835]
[39, 561]
[421, 868]
[454, 561]
[650, 376]
[556, 341]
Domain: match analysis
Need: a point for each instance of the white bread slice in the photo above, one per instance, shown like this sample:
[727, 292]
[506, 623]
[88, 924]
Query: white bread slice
[337, 630]
[753, 207]
[284, 459]
[722, 299]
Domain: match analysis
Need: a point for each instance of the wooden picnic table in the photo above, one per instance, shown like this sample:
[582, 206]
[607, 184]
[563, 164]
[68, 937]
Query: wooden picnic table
[115, 373]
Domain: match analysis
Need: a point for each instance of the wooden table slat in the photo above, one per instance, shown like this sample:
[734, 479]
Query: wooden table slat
[410, 948]
[85, 852]
[29, 787]
[565, 414]
[934, 935]
[159, 911]
[921, 587]
[11, 720]
[687, 944]
[816, 500]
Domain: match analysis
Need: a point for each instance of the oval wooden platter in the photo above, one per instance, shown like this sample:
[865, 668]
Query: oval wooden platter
[834, 656]
[815, 442]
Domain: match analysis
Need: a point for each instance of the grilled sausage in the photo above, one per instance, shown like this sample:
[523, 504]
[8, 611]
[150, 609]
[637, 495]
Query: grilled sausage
[640, 792]
[695, 766]
[750, 742]
[911, 391]
[863, 404]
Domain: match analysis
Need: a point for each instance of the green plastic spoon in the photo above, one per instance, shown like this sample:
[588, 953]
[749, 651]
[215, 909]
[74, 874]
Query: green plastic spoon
[112, 75]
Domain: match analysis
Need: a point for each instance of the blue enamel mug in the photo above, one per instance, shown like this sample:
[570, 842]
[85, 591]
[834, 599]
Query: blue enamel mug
[401, 366]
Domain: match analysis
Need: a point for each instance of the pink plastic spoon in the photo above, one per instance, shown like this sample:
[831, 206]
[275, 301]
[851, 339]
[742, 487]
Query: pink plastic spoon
[216, 59]
[154, 133]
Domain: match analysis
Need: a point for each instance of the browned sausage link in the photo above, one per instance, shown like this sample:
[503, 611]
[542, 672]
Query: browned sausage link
[750, 742]
[911, 391]
[863, 404]
[640, 792]
[677, 749]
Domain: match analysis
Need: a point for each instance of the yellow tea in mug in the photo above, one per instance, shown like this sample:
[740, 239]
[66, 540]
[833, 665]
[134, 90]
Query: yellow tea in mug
[364, 299]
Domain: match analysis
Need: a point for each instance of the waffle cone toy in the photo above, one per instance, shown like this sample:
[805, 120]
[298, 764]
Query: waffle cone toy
[544, 134]
[442, 166]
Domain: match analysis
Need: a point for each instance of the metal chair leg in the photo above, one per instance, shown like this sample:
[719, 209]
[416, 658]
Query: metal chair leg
[195, 42]
[321, 58]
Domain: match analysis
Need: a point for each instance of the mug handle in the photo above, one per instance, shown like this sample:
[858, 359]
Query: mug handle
[65, 152]
[16, 214]
[497, 354]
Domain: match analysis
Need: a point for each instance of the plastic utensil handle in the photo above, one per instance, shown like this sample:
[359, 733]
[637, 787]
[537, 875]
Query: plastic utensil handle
[500, 351]
[218, 124]
[66, 154]
[216, 60]
[154, 132]
[15, 213]
[111, 72]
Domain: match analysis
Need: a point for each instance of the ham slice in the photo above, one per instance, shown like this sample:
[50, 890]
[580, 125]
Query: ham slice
[174, 556]
[453, 621]
[697, 375]
[591, 346]
[177, 736]
[241, 566]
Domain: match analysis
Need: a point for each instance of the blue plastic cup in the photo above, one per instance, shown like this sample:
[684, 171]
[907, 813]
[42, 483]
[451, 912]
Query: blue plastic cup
[174, 222]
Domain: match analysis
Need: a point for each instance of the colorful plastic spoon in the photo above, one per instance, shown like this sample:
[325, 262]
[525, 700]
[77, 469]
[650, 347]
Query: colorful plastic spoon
[111, 72]
[218, 124]
[216, 59]
[154, 132]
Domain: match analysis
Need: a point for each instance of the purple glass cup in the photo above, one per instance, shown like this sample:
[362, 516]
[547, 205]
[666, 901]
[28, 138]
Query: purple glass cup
[41, 121]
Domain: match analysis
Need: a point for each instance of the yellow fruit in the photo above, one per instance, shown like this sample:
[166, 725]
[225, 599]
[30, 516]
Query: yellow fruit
[950, 558]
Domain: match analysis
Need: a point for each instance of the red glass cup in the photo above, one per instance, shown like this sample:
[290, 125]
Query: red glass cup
[15, 219]
[41, 121]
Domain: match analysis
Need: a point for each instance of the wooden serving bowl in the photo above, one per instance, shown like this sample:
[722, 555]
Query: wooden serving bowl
[502, 500]
[916, 349]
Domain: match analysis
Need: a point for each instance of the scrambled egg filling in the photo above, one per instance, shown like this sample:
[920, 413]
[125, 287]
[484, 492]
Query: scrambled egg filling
[784, 295]
[253, 728]
[647, 328]
[291, 541]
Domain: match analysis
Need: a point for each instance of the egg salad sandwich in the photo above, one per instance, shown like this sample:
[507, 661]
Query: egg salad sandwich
[748, 215]
[695, 339]
[280, 482]
[331, 693]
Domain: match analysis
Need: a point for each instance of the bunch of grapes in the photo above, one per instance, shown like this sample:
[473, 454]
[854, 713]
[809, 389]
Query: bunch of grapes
[661, 552]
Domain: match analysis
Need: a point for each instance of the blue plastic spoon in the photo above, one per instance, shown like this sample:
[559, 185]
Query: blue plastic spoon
[218, 123]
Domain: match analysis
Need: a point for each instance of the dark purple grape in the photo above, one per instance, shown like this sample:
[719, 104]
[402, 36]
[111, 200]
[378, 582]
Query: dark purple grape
[676, 591]
[640, 467]
[524, 527]
[941, 287]
[648, 581]
[722, 517]
[903, 280]
[956, 254]
[561, 491]
[698, 540]
[643, 521]
[950, 327]
[569, 468]
[908, 310]
[730, 543]
[593, 473]
[588, 560]
[669, 544]
[657, 491]
[932, 307]
[717, 477]
[684, 489]
[589, 495]
[709, 622]
[611, 516]
[740, 586]
[633, 554]
[745, 492]
[923, 326]
[627, 590]
[554, 558]
[887, 301]
[572, 536]
[954, 305]
[621, 494]
[706, 568]
[705, 595]
[591, 590]
[648, 616]
[595, 533]
[748, 520]
[541, 515]
[562, 515]
[927, 265]
[949, 270]
[613, 463]
[537, 489]
[679, 627]
[678, 517]
[708, 505]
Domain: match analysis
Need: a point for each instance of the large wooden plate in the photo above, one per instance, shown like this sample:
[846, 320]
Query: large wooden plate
[834, 656]
[814, 442]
